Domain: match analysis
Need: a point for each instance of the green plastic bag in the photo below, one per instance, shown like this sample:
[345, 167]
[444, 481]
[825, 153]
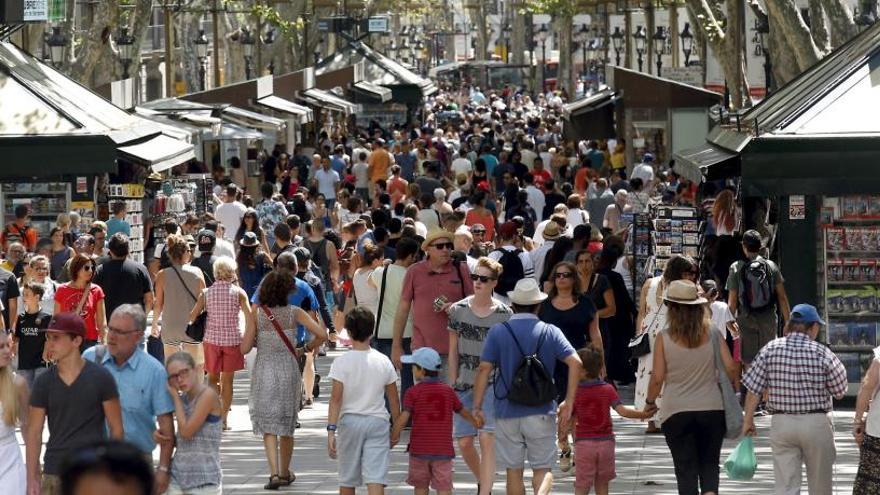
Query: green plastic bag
[742, 463]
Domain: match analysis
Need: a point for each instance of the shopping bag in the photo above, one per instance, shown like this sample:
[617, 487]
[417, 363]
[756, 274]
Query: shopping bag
[742, 463]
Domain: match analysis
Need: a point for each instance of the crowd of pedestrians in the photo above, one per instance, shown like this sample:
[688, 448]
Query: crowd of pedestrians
[476, 265]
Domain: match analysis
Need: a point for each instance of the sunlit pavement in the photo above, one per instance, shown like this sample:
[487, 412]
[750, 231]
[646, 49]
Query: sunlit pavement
[644, 464]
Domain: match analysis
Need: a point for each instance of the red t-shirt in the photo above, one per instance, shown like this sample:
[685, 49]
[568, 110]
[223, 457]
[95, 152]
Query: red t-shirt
[431, 404]
[540, 178]
[592, 409]
[68, 298]
[423, 286]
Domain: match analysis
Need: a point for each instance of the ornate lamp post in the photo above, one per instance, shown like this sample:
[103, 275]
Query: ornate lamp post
[124, 42]
[268, 39]
[201, 43]
[247, 44]
[687, 42]
[57, 43]
[659, 40]
[618, 41]
[640, 38]
[541, 35]
[866, 16]
[582, 36]
[763, 30]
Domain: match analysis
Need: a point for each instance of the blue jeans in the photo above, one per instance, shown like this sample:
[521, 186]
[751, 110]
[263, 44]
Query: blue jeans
[406, 376]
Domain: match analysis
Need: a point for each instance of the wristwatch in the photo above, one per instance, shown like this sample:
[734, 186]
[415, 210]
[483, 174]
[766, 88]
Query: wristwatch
[649, 402]
[331, 427]
[163, 469]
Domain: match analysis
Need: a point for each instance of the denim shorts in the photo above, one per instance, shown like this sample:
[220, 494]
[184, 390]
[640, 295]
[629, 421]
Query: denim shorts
[461, 427]
[364, 450]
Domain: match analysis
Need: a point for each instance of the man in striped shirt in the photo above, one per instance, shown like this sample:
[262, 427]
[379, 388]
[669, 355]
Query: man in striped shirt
[800, 377]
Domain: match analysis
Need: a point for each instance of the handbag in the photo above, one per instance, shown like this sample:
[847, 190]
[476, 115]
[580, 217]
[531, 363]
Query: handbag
[195, 329]
[640, 345]
[733, 412]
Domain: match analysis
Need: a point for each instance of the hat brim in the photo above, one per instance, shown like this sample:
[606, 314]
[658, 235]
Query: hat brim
[688, 302]
[433, 236]
[526, 299]
[551, 237]
[808, 322]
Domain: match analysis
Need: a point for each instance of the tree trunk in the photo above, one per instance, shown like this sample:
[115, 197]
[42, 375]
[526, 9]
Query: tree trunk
[518, 33]
[188, 30]
[840, 20]
[785, 67]
[565, 77]
[94, 44]
[818, 26]
[787, 17]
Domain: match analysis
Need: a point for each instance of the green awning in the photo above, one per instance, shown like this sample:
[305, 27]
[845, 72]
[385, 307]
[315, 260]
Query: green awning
[27, 157]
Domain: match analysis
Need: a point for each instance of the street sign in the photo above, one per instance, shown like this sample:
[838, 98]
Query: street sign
[377, 24]
[18, 11]
[36, 10]
[692, 75]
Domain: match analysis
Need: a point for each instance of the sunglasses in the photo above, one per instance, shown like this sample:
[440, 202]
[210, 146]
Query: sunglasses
[442, 245]
[88, 268]
[564, 275]
[478, 232]
[482, 278]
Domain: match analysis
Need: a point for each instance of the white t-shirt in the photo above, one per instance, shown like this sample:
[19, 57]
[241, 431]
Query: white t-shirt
[364, 376]
[643, 171]
[577, 216]
[327, 180]
[461, 166]
[361, 175]
[230, 215]
[721, 316]
[393, 290]
[430, 217]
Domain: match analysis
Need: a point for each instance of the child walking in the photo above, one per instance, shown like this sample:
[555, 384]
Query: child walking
[591, 420]
[29, 334]
[362, 378]
[430, 403]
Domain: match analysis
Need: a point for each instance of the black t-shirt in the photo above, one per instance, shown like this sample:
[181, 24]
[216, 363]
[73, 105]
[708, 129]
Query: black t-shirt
[520, 170]
[205, 263]
[123, 282]
[31, 340]
[8, 290]
[75, 412]
[551, 199]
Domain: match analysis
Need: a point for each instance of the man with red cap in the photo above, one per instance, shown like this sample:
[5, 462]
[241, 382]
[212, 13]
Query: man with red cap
[76, 396]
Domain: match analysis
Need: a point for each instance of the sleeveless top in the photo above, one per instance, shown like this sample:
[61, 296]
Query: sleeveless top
[365, 294]
[574, 322]
[178, 302]
[223, 303]
[196, 461]
[691, 379]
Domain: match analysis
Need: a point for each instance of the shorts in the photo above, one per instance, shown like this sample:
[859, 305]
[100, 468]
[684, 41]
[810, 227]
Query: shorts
[755, 333]
[424, 472]
[222, 358]
[194, 350]
[529, 437]
[594, 463]
[461, 427]
[50, 484]
[363, 445]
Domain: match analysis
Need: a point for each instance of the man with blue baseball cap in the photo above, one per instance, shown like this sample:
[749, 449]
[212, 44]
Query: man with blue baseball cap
[800, 377]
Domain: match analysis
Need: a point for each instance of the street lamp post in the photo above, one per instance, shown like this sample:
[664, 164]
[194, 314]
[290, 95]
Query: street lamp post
[687, 42]
[247, 44]
[618, 41]
[418, 48]
[268, 39]
[124, 42]
[866, 16]
[582, 37]
[506, 30]
[57, 43]
[763, 30]
[541, 36]
[640, 38]
[201, 43]
[659, 40]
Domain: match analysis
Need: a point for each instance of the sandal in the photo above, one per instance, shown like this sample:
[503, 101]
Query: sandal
[275, 482]
[287, 480]
[565, 460]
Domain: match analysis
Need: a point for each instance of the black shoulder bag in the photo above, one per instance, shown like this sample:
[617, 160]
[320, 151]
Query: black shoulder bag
[381, 300]
[195, 329]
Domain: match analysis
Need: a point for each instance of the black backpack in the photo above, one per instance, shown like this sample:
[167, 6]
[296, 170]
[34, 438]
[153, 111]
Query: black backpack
[756, 289]
[512, 271]
[532, 384]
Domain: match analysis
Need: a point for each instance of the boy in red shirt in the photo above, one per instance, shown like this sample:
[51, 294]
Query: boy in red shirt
[431, 404]
[591, 419]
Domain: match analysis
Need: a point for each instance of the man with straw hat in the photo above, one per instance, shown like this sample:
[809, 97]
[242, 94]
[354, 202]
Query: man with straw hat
[429, 287]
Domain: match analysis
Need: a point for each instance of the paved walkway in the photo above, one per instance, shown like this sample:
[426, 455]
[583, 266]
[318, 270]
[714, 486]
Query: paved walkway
[644, 465]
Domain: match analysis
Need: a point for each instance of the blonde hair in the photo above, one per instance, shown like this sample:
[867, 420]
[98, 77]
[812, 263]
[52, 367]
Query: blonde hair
[489, 264]
[225, 268]
[8, 395]
[688, 323]
[63, 220]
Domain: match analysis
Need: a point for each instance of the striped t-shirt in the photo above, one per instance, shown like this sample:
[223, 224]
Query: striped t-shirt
[472, 331]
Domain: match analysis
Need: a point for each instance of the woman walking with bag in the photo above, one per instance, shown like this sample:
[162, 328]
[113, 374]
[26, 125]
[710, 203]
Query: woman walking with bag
[686, 369]
[222, 342]
[276, 381]
[177, 289]
[651, 320]
[80, 296]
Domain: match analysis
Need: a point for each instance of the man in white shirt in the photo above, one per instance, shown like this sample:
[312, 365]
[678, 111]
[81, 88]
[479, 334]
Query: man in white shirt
[644, 170]
[536, 197]
[527, 156]
[230, 213]
[551, 233]
[327, 181]
[361, 172]
[462, 165]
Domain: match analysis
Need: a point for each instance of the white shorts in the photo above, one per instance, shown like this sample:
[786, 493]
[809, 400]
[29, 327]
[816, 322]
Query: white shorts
[364, 450]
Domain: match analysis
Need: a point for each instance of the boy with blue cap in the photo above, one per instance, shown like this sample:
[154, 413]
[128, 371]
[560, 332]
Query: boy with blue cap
[430, 404]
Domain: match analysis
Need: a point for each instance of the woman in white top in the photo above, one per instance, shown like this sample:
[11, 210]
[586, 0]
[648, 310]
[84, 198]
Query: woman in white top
[576, 215]
[13, 412]
[652, 319]
[366, 293]
[37, 270]
[866, 430]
